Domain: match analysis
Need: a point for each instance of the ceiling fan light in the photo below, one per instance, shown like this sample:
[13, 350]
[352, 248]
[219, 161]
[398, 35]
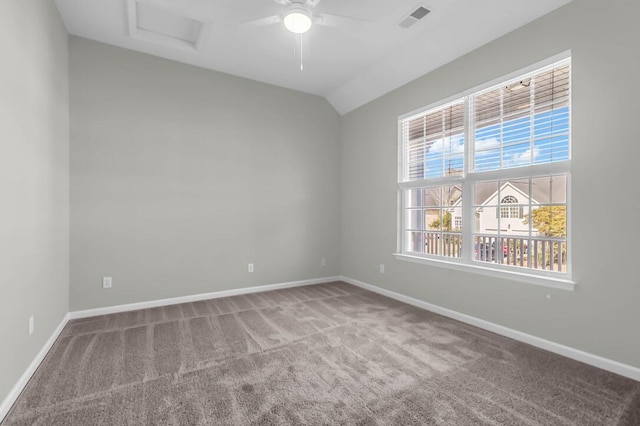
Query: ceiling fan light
[297, 21]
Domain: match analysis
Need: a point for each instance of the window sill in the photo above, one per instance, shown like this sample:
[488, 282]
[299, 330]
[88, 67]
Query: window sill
[546, 281]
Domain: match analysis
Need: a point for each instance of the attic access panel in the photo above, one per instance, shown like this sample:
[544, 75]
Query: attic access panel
[162, 25]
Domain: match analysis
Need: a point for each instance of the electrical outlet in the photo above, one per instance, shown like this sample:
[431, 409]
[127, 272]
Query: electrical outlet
[31, 325]
[106, 282]
[323, 262]
[382, 268]
[250, 268]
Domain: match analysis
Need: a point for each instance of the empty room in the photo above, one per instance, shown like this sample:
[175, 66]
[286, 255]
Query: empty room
[319, 212]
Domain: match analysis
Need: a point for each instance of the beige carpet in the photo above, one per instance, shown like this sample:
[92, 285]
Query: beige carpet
[324, 354]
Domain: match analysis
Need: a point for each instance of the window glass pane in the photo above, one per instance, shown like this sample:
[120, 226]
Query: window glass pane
[551, 149]
[487, 137]
[433, 165]
[414, 154]
[487, 160]
[485, 248]
[486, 192]
[451, 244]
[487, 108]
[549, 189]
[432, 196]
[413, 219]
[518, 186]
[551, 122]
[454, 165]
[546, 254]
[516, 130]
[549, 221]
[552, 87]
[517, 155]
[433, 219]
[451, 195]
[414, 242]
[413, 198]
[559, 221]
[432, 243]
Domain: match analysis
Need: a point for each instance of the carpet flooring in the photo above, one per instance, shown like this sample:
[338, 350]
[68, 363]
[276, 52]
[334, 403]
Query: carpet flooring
[324, 354]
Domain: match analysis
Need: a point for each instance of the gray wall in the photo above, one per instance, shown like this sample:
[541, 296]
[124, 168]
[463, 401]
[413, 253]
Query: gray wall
[182, 176]
[34, 181]
[601, 316]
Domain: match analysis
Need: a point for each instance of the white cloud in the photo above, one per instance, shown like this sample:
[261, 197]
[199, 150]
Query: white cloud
[487, 143]
[448, 145]
[521, 158]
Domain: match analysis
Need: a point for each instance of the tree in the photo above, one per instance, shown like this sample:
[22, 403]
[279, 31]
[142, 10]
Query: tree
[446, 222]
[550, 221]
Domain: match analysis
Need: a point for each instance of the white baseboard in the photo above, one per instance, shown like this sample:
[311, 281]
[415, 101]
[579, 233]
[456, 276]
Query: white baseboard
[15, 392]
[195, 298]
[576, 354]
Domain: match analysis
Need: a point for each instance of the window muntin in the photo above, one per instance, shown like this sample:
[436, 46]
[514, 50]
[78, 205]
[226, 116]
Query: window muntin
[511, 129]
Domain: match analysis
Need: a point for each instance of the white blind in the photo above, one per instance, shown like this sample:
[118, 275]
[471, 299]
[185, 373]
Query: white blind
[432, 143]
[524, 121]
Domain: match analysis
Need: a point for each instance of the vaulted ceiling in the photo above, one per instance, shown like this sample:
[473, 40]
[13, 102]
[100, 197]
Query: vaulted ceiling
[350, 62]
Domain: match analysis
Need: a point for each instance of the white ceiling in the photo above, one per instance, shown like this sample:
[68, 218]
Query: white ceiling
[349, 64]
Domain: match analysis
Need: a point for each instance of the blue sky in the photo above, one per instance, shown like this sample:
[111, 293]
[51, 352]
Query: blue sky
[549, 132]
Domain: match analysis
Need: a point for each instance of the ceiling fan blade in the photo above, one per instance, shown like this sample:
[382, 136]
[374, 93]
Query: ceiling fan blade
[330, 20]
[283, 2]
[262, 22]
[313, 3]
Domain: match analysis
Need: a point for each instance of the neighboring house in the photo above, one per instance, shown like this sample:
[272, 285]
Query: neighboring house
[512, 207]
[509, 206]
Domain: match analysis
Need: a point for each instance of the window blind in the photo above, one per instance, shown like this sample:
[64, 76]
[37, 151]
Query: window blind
[523, 122]
[432, 143]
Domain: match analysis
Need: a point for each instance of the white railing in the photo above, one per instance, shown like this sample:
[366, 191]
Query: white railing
[543, 253]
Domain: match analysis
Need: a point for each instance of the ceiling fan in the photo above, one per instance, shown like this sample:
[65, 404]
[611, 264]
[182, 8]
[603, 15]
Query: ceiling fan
[298, 16]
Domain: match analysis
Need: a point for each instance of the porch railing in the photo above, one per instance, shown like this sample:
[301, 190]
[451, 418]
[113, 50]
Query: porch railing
[543, 253]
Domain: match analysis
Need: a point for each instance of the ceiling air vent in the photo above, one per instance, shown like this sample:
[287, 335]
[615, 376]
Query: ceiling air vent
[414, 17]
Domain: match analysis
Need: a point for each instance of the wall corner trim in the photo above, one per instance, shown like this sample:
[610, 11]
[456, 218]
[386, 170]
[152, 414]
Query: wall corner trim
[17, 389]
[566, 351]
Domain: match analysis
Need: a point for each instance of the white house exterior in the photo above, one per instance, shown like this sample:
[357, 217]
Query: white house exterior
[505, 210]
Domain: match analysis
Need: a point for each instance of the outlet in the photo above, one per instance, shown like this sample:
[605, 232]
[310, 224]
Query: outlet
[250, 268]
[382, 268]
[106, 282]
[31, 325]
[323, 262]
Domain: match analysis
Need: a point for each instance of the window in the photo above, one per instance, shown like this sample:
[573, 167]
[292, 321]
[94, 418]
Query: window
[492, 168]
[510, 212]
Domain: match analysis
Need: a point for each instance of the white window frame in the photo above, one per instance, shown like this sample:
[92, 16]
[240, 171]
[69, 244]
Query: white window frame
[467, 182]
